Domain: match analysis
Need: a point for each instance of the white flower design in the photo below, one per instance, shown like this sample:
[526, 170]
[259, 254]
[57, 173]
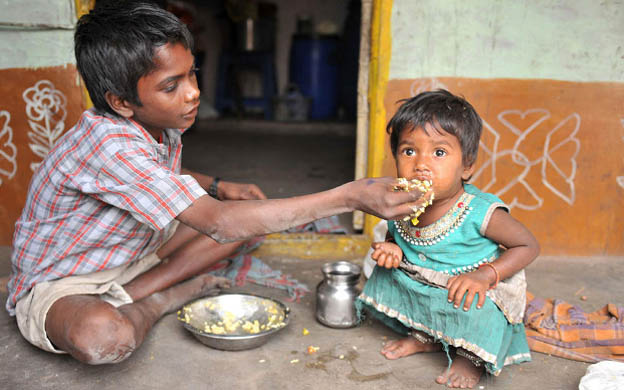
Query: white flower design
[8, 151]
[46, 111]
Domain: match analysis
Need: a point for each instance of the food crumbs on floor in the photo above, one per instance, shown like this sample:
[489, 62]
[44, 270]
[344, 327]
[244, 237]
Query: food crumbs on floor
[305, 332]
[294, 361]
[583, 298]
[312, 349]
[341, 357]
[261, 361]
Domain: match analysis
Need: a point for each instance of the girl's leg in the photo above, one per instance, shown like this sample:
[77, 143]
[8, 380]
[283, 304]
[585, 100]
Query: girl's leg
[465, 372]
[415, 343]
[95, 332]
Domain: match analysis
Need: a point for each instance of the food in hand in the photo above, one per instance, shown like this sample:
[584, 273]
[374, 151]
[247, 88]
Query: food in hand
[423, 186]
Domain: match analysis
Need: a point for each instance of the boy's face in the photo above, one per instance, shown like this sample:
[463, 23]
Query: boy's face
[436, 156]
[169, 93]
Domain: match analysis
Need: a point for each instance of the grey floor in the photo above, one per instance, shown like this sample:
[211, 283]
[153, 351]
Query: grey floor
[286, 162]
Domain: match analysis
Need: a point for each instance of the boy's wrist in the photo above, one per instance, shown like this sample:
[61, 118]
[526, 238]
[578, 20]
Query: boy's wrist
[213, 189]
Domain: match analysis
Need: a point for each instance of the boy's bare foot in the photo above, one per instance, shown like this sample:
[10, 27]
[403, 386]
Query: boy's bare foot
[396, 349]
[462, 374]
[171, 299]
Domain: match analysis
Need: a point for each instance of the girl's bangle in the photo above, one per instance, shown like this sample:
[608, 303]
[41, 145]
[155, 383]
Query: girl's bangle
[495, 272]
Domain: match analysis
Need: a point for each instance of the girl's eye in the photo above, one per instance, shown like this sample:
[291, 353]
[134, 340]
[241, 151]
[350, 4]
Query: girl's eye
[440, 153]
[171, 87]
[408, 152]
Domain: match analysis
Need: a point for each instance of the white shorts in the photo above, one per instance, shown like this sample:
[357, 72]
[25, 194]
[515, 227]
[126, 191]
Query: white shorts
[31, 310]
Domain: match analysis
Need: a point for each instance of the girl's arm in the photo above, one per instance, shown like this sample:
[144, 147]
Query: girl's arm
[521, 248]
[387, 254]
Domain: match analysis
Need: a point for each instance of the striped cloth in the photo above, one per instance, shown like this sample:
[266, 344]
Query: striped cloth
[557, 328]
[242, 267]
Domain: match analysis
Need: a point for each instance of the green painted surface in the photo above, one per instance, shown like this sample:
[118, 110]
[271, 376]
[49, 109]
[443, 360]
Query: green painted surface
[36, 33]
[36, 49]
[574, 40]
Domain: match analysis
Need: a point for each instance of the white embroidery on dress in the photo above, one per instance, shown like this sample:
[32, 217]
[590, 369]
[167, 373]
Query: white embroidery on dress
[8, 151]
[46, 112]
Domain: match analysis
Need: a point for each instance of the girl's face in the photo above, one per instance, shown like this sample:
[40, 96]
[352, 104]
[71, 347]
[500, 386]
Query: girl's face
[436, 156]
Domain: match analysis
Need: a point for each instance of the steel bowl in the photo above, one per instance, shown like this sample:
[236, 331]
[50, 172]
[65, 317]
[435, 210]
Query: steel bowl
[234, 322]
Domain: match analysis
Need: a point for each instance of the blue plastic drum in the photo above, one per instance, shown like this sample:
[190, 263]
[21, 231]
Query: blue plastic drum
[314, 69]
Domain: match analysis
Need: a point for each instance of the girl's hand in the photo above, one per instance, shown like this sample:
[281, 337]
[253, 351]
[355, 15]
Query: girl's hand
[469, 284]
[239, 191]
[387, 254]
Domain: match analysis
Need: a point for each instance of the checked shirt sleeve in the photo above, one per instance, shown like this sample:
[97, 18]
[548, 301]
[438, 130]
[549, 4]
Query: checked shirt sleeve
[140, 178]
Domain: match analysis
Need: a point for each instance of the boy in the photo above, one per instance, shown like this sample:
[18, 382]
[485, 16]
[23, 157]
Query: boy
[101, 213]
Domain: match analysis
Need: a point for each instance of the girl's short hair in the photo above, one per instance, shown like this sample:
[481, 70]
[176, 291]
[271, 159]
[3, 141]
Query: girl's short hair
[115, 43]
[443, 111]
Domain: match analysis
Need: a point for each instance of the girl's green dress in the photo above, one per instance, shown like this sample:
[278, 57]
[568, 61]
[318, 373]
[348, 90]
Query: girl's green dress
[414, 296]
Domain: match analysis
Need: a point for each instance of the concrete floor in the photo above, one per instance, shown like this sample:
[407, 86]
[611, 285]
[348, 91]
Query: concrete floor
[171, 358]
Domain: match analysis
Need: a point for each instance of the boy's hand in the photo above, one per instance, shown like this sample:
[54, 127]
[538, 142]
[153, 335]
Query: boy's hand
[386, 254]
[469, 284]
[378, 197]
[227, 190]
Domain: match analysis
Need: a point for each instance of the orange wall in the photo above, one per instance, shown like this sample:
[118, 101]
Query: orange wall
[552, 150]
[36, 107]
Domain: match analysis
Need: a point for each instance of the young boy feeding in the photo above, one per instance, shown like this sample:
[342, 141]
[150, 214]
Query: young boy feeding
[98, 254]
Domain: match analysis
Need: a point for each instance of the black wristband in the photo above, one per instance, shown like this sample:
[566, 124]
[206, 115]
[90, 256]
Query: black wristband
[212, 190]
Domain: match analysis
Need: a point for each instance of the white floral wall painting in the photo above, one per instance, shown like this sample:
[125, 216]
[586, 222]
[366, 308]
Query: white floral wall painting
[8, 151]
[554, 161]
[620, 179]
[46, 112]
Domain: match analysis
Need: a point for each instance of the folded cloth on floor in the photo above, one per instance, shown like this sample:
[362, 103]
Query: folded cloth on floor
[246, 268]
[560, 329]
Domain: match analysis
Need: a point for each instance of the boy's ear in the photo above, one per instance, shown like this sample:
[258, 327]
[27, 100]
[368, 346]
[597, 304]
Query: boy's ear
[468, 171]
[119, 105]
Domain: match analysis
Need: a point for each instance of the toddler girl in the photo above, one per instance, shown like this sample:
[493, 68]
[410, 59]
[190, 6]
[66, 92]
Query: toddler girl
[455, 280]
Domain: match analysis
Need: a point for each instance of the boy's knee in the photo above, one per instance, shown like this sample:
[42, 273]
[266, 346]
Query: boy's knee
[102, 337]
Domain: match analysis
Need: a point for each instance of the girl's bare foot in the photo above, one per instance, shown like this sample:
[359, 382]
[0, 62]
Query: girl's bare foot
[396, 349]
[462, 374]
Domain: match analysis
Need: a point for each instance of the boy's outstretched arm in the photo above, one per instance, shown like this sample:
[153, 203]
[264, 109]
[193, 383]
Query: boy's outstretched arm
[237, 220]
[521, 249]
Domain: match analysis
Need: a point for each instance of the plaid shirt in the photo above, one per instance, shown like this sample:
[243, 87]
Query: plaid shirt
[102, 197]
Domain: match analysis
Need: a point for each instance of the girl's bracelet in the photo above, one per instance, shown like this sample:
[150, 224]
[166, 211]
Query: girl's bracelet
[495, 272]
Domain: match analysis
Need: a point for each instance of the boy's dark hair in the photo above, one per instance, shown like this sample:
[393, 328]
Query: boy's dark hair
[442, 110]
[115, 43]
